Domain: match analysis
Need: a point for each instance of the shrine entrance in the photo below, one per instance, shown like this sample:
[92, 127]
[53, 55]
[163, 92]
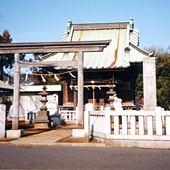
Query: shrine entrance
[58, 47]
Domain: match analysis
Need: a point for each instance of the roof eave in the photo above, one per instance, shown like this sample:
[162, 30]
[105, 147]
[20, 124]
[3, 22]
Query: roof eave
[140, 49]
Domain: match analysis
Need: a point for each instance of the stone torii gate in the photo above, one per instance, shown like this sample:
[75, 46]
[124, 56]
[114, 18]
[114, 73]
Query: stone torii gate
[46, 47]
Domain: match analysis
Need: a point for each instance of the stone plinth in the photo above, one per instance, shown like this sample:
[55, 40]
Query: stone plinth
[42, 120]
[15, 133]
[42, 124]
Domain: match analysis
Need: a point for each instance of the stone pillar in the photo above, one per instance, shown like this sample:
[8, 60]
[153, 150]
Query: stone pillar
[2, 120]
[149, 84]
[15, 116]
[80, 89]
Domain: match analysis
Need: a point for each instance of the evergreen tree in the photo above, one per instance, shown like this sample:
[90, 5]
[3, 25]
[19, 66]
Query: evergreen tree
[5, 60]
[163, 79]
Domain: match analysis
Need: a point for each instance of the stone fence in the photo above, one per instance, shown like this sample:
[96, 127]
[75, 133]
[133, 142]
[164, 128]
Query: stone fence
[128, 128]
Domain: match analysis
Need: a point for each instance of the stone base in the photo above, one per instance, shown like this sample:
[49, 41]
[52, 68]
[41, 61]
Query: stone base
[42, 124]
[15, 133]
[78, 133]
[29, 121]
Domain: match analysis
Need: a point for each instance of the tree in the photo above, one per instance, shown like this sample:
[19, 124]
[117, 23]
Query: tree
[162, 78]
[6, 60]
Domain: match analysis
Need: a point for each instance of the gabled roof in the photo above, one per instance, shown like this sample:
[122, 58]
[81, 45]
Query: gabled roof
[5, 86]
[123, 49]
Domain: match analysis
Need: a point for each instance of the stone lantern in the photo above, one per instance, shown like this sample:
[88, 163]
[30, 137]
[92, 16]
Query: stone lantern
[42, 120]
[111, 94]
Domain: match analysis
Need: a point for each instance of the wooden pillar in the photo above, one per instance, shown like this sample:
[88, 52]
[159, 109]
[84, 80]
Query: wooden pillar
[80, 89]
[15, 116]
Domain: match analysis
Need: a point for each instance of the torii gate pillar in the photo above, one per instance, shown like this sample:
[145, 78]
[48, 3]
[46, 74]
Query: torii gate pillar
[15, 117]
[80, 89]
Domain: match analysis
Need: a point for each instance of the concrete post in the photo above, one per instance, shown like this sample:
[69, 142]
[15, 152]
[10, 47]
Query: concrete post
[141, 125]
[124, 125]
[150, 125]
[107, 121]
[116, 125]
[133, 125]
[158, 121]
[15, 116]
[89, 107]
[2, 120]
[167, 125]
[80, 89]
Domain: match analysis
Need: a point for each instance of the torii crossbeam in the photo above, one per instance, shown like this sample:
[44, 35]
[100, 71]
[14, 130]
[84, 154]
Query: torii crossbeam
[48, 47]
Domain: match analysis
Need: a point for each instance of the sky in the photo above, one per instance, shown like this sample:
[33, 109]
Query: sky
[46, 20]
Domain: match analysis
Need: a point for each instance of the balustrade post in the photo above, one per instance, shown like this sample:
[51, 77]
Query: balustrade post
[108, 120]
[69, 113]
[158, 121]
[141, 125]
[116, 125]
[150, 125]
[167, 125]
[133, 125]
[124, 125]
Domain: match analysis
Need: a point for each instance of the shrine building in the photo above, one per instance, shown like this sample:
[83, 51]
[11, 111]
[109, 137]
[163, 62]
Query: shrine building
[119, 64]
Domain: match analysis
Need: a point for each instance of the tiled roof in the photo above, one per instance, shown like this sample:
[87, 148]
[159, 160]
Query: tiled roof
[122, 50]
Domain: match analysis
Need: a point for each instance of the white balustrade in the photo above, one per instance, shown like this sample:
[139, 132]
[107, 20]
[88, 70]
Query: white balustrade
[68, 115]
[100, 121]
